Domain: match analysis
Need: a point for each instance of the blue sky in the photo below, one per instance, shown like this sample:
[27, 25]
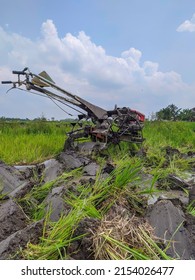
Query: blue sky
[134, 53]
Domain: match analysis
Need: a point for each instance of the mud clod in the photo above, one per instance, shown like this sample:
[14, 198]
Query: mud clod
[11, 246]
[10, 178]
[168, 222]
[12, 219]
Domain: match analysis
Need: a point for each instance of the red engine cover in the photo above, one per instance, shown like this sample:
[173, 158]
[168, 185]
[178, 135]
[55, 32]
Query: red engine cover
[140, 116]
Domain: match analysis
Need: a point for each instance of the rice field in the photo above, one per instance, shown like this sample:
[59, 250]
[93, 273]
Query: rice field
[30, 142]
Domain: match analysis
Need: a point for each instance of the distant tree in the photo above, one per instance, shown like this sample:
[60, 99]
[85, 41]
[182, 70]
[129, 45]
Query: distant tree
[186, 115]
[193, 114]
[175, 111]
[171, 112]
[41, 118]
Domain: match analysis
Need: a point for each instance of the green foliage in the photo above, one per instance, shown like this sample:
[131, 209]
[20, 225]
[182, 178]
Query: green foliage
[167, 145]
[173, 113]
[186, 115]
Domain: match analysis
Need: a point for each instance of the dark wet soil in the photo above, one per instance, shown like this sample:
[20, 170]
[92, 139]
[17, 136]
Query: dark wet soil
[166, 213]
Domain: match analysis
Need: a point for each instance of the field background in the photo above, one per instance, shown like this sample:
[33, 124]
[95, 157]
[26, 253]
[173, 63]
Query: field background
[27, 142]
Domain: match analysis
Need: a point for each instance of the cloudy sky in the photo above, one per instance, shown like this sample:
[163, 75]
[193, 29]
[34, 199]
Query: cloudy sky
[135, 53]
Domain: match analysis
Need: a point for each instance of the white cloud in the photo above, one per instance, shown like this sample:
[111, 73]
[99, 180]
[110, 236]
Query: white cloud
[150, 68]
[132, 54]
[187, 25]
[49, 30]
[80, 66]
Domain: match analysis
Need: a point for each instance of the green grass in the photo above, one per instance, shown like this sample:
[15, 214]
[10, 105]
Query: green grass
[191, 208]
[179, 135]
[30, 142]
[174, 135]
[34, 141]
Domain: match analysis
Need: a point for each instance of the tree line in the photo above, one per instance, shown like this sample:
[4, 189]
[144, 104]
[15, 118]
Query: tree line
[169, 113]
[173, 113]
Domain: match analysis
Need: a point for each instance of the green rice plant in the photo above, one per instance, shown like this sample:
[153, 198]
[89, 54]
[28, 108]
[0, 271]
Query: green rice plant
[116, 152]
[39, 212]
[152, 189]
[40, 192]
[99, 197]
[160, 135]
[168, 133]
[29, 149]
[171, 240]
[172, 165]
[31, 142]
[30, 206]
[34, 141]
[106, 191]
[83, 201]
[33, 202]
[153, 247]
[154, 157]
[178, 165]
[191, 208]
[56, 238]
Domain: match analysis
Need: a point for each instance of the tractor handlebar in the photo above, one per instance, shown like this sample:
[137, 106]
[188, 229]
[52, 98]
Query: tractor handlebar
[6, 82]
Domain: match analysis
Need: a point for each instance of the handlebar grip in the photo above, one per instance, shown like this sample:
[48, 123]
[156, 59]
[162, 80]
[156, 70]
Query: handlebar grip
[18, 72]
[6, 82]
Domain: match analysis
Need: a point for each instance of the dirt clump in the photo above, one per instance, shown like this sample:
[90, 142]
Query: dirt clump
[83, 249]
[12, 218]
[11, 246]
[168, 222]
[10, 178]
